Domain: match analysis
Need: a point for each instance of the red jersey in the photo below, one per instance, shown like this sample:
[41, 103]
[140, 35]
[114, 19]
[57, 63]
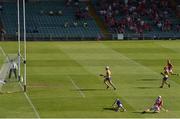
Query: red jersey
[159, 103]
[170, 66]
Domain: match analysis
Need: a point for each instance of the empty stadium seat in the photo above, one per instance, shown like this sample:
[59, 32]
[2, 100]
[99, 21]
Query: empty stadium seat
[38, 20]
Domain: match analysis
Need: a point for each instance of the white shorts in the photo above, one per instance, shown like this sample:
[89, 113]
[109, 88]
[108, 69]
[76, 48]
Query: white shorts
[2, 82]
[169, 70]
[120, 106]
[155, 108]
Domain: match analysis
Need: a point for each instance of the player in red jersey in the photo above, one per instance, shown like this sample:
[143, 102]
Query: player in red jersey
[169, 68]
[158, 105]
[165, 79]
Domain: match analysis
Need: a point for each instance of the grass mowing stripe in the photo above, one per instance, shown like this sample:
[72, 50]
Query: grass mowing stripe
[94, 69]
[135, 84]
[126, 104]
[134, 62]
[77, 87]
[88, 69]
[137, 63]
[151, 70]
[173, 50]
[168, 47]
[129, 60]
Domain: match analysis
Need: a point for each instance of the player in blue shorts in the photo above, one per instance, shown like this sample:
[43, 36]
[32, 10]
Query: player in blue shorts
[117, 105]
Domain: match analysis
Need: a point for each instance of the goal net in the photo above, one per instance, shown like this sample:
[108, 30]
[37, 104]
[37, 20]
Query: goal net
[11, 68]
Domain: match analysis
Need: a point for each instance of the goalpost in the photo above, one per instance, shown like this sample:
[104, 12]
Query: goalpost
[19, 43]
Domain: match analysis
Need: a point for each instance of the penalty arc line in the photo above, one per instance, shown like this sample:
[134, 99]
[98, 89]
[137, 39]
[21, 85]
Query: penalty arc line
[25, 94]
[74, 84]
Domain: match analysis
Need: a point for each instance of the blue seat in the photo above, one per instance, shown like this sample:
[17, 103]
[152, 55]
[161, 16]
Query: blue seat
[46, 24]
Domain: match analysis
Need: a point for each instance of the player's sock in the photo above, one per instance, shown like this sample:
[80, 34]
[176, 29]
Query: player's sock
[169, 85]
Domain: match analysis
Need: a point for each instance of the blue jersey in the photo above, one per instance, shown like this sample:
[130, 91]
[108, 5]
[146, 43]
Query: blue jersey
[118, 102]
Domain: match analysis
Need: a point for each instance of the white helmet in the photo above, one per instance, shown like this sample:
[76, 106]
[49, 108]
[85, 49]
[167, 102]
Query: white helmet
[159, 97]
[107, 67]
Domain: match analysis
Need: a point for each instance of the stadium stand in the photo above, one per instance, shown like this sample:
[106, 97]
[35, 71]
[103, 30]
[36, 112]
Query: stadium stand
[47, 19]
[71, 19]
[144, 18]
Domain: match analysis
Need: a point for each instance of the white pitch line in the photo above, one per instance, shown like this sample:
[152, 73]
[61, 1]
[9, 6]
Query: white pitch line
[30, 102]
[3, 51]
[74, 84]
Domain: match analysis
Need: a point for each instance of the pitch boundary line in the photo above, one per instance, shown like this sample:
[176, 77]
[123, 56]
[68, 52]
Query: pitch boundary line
[30, 102]
[77, 87]
[25, 94]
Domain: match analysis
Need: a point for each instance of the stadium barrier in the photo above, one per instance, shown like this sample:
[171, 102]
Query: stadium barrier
[147, 36]
[107, 36]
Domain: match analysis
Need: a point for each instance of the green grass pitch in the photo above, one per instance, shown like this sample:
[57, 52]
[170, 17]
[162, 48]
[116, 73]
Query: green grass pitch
[63, 79]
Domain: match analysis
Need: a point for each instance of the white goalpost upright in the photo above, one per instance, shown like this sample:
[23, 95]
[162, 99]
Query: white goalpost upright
[24, 19]
[19, 40]
[19, 43]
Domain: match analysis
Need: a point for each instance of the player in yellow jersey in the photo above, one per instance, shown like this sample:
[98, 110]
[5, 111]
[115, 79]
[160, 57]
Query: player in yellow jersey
[107, 78]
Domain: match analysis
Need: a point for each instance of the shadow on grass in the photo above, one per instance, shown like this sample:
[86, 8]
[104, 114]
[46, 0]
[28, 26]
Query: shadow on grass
[109, 108]
[141, 112]
[147, 80]
[89, 89]
[143, 87]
